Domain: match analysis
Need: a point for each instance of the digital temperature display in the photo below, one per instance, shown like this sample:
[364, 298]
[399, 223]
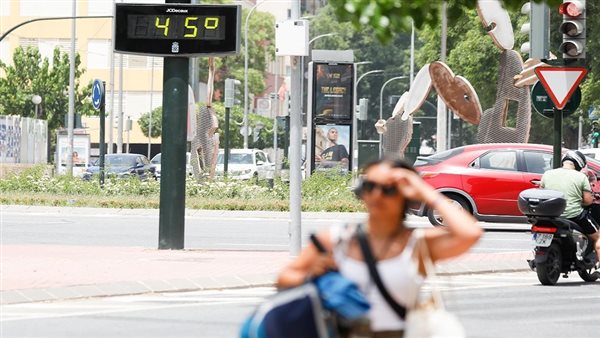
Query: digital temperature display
[177, 29]
[199, 27]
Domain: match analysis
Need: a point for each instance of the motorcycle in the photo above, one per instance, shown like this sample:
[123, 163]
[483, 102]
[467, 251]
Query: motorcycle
[560, 246]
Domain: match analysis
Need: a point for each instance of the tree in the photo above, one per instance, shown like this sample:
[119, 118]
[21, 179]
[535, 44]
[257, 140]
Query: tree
[389, 17]
[144, 122]
[261, 50]
[30, 75]
[393, 59]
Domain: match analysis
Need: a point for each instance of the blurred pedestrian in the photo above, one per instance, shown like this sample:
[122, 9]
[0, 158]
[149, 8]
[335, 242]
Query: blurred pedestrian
[385, 189]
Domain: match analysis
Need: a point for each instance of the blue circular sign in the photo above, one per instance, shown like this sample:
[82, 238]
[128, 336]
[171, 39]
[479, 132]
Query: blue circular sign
[97, 93]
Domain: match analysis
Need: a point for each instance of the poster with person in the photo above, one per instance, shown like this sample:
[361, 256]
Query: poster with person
[332, 146]
[333, 84]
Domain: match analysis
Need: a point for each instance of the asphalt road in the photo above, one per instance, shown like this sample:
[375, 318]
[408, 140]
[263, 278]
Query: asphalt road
[230, 231]
[488, 305]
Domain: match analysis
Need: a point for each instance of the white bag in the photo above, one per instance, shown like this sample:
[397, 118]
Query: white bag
[430, 319]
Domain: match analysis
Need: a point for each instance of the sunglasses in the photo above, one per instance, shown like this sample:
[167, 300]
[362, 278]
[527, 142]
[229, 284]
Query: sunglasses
[386, 190]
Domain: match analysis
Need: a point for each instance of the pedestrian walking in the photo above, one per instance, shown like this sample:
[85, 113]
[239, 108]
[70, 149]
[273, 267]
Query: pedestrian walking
[386, 188]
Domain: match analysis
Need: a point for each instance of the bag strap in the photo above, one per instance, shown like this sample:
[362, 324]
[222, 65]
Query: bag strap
[429, 268]
[371, 264]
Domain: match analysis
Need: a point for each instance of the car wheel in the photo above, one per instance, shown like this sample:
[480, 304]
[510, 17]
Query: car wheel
[436, 219]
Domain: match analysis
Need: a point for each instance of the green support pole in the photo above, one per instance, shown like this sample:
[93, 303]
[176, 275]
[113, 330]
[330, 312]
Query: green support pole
[174, 135]
[558, 115]
[226, 147]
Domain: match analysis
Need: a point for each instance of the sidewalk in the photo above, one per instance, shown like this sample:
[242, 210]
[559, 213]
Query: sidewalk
[34, 273]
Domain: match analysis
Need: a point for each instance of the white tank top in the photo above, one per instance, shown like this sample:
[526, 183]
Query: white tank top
[399, 274]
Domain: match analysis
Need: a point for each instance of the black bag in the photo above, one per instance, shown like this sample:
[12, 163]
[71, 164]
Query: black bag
[320, 308]
[291, 313]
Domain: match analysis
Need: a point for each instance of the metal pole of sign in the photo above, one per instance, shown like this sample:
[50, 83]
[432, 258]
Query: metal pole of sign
[558, 115]
[226, 146]
[102, 132]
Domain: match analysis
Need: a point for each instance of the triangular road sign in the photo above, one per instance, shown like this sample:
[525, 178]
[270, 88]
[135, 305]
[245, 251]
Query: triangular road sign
[560, 82]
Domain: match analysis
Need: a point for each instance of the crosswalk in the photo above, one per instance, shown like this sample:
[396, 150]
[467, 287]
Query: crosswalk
[448, 285]
[120, 304]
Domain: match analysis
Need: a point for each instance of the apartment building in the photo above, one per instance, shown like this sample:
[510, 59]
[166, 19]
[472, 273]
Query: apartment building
[134, 82]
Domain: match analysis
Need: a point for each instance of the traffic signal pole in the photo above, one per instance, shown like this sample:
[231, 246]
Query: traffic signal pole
[557, 146]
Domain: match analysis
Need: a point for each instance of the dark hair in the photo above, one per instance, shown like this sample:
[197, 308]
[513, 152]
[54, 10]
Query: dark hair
[392, 162]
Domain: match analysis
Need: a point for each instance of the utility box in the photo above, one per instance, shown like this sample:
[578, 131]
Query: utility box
[291, 38]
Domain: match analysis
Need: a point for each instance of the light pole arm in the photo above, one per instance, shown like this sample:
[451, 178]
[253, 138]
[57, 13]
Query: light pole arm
[54, 18]
[368, 73]
[381, 93]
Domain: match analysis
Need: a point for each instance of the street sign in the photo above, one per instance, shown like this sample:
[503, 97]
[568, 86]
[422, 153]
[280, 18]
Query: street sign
[560, 82]
[97, 93]
[543, 103]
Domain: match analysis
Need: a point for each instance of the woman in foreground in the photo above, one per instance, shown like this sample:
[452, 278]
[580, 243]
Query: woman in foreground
[386, 188]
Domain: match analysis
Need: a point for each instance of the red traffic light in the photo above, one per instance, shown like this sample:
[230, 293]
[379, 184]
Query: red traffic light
[571, 8]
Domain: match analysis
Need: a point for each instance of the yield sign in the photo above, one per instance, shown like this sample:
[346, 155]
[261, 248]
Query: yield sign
[560, 82]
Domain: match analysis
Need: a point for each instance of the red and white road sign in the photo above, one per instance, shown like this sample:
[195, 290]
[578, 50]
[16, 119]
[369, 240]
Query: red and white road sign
[560, 82]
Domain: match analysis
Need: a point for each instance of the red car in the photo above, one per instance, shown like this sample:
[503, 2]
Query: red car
[486, 179]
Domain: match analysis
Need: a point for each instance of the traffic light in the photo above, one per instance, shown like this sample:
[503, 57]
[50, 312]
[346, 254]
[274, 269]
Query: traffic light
[363, 107]
[231, 92]
[573, 29]
[537, 29]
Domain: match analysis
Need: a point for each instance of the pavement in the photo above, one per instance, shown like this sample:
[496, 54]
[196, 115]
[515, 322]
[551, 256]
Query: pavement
[40, 273]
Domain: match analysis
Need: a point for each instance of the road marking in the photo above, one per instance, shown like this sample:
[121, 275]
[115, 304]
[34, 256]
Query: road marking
[123, 304]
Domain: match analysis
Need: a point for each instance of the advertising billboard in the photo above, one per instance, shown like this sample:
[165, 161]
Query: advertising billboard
[332, 91]
[332, 146]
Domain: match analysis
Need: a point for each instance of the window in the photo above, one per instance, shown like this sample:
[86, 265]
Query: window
[98, 54]
[38, 8]
[537, 162]
[261, 157]
[499, 160]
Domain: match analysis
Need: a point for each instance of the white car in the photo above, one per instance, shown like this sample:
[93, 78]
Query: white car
[591, 152]
[246, 164]
[156, 163]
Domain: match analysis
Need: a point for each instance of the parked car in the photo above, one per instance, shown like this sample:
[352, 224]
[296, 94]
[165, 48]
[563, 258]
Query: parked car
[245, 164]
[486, 179]
[156, 162]
[123, 166]
[591, 152]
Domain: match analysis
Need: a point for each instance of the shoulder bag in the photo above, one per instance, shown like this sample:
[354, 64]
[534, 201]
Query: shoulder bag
[314, 309]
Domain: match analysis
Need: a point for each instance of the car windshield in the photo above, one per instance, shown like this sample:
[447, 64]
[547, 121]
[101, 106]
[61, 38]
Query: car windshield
[236, 159]
[156, 159]
[120, 161]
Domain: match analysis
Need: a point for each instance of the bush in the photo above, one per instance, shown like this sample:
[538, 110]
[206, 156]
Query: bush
[321, 192]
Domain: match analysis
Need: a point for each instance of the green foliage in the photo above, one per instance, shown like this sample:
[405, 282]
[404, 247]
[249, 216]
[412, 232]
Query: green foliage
[261, 50]
[31, 75]
[393, 59]
[236, 118]
[321, 192]
[144, 122]
[389, 17]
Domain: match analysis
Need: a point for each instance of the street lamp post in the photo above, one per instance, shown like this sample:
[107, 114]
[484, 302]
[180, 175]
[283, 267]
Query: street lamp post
[381, 106]
[354, 120]
[246, 73]
[36, 99]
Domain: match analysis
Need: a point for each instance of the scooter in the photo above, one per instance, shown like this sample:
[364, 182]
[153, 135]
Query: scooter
[560, 246]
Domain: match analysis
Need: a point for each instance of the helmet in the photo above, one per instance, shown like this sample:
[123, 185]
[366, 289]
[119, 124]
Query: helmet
[576, 157]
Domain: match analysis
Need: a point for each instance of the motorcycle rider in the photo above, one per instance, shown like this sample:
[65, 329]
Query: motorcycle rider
[578, 192]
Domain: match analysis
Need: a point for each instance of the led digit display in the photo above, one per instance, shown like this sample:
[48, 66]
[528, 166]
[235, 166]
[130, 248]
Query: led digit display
[200, 27]
[177, 29]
